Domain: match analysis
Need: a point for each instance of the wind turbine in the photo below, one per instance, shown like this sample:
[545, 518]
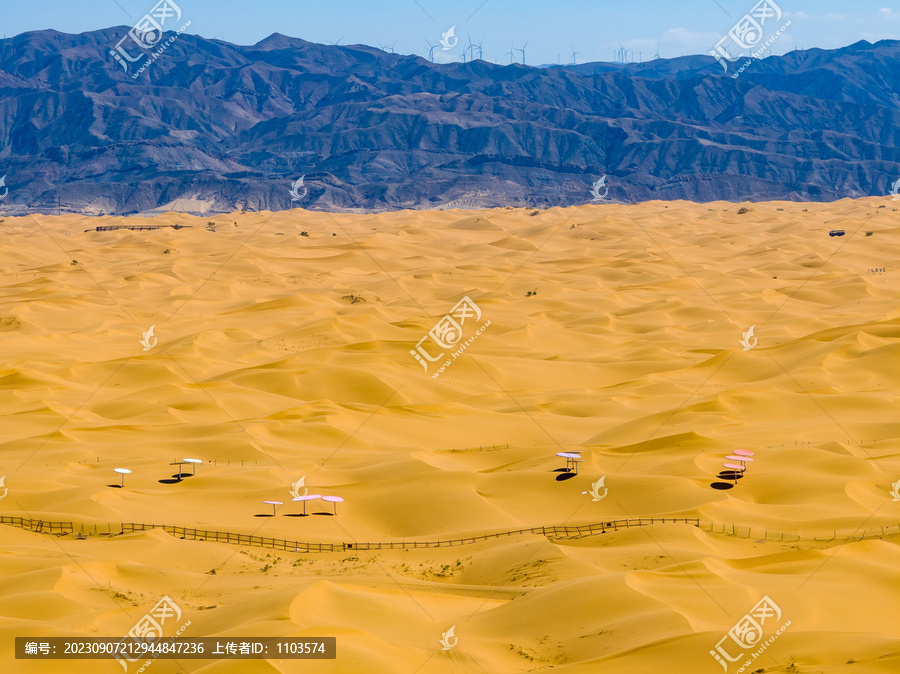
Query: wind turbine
[510, 52]
[480, 51]
[431, 48]
[392, 46]
[574, 54]
[338, 41]
[523, 51]
[622, 54]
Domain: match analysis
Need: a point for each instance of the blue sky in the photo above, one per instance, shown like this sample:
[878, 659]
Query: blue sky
[592, 28]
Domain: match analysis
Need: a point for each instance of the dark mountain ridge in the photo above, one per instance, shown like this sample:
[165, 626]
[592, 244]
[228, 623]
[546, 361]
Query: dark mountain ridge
[212, 127]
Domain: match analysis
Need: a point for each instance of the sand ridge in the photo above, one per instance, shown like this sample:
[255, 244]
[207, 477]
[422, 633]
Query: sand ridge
[614, 331]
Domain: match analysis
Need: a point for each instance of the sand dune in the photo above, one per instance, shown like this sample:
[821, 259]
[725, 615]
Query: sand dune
[615, 331]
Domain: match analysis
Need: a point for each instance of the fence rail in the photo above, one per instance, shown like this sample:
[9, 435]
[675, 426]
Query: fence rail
[110, 228]
[553, 532]
[559, 532]
[138, 228]
[40, 526]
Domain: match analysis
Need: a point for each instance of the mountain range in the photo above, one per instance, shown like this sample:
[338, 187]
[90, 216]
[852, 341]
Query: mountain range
[210, 126]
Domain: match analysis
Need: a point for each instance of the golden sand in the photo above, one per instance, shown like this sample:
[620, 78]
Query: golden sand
[614, 331]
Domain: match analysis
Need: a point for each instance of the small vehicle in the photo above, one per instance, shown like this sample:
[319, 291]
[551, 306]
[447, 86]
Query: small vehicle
[836, 232]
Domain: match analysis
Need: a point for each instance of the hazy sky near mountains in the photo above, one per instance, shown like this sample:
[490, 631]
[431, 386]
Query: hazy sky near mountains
[592, 28]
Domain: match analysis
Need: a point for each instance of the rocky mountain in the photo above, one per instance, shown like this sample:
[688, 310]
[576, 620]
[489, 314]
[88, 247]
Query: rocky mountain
[210, 126]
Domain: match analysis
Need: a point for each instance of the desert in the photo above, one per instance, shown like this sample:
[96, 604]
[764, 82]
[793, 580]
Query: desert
[283, 351]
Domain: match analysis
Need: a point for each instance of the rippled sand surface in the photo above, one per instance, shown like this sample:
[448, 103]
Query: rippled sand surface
[611, 331]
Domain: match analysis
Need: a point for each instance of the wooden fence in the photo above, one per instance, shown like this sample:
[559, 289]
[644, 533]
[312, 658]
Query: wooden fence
[40, 526]
[559, 532]
[190, 533]
[110, 228]
[743, 531]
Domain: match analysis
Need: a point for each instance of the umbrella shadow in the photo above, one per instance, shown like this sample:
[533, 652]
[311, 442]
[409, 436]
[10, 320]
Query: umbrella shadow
[733, 475]
[565, 476]
[115, 486]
